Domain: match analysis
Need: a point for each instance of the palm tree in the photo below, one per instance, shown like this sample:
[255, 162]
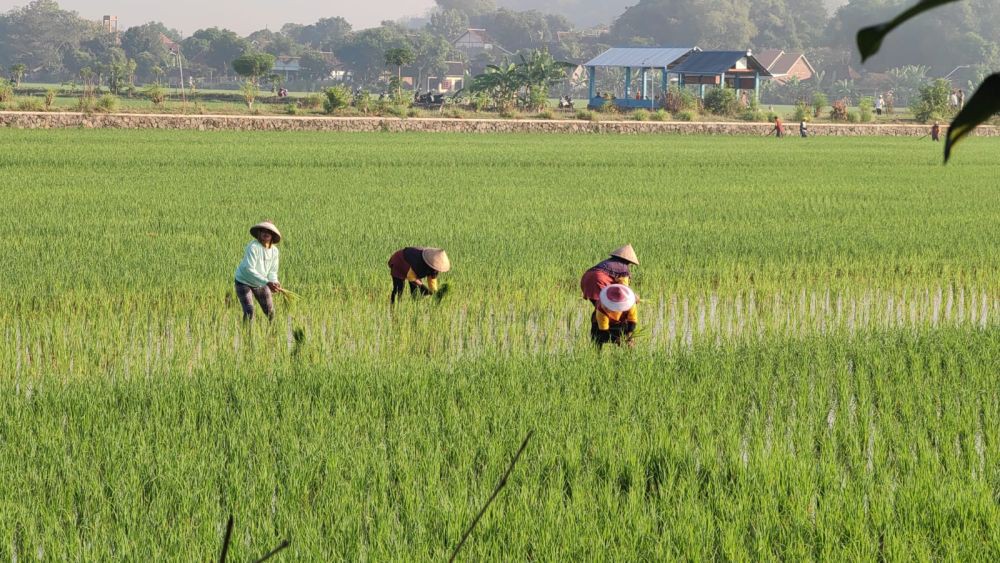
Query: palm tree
[501, 82]
[537, 73]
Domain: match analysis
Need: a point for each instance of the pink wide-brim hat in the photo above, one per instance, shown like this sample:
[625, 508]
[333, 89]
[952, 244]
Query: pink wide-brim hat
[617, 297]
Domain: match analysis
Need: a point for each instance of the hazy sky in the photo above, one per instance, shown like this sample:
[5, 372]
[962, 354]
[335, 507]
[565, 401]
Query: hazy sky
[242, 16]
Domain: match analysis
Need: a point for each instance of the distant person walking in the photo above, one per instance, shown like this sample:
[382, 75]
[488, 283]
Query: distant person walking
[413, 264]
[961, 99]
[936, 132]
[257, 274]
[779, 128]
[803, 129]
[879, 105]
[953, 99]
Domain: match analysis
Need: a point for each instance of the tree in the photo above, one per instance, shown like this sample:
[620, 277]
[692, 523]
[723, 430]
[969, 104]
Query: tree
[326, 33]
[399, 56]
[215, 48]
[449, 24]
[252, 66]
[430, 55]
[39, 34]
[316, 65]
[468, 7]
[985, 102]
[709, 25]
[17, 73]
[500, 82]
[146, 46]
[363, 52]
[538, 72]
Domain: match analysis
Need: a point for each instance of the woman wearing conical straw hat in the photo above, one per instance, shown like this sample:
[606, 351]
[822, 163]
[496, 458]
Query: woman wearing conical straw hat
[614, 270]
[257, 274]
[413, 264]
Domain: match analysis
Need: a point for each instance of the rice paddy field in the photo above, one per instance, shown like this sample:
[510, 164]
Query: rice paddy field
[816, 379]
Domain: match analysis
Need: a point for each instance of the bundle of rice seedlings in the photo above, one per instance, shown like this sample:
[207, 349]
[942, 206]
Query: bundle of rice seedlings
[441, 292]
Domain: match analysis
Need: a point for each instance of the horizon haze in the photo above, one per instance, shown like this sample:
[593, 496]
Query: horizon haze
[243, 17]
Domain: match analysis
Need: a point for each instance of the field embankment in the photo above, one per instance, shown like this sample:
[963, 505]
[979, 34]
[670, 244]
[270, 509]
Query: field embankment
[60, 120]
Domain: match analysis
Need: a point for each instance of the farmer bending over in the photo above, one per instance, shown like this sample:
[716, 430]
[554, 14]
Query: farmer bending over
[615, 318]
[414, 263]
[257, 274]
[613, 270]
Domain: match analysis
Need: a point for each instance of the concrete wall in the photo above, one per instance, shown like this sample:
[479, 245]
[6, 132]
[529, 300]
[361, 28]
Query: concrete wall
[50, 120]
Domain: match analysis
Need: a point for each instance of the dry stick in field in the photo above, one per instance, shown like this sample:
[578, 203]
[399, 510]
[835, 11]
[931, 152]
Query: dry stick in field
[229, 537]
[496, 491]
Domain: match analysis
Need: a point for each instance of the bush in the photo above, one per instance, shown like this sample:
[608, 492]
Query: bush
[801, 112]
[680, 99]
[754, 113]
[685, 115]
[454, 113]
[640, 115]
[6, 91]
[50, 98]
[546, 114]
[396, 111]
[932, 101]
[412, 112]
[363, 102]
[291, 109]
[819, 102]
[838, 110]
[156, 94]
[660, 115]
[865, 109]
[853, 117]
[107, 103]
[29, 104]
[337, 97]
[311, 101]
[585, 115]
[721, 101]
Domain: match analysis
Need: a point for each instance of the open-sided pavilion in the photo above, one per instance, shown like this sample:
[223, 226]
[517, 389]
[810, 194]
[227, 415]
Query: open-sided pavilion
[738, 70]
[645, 60]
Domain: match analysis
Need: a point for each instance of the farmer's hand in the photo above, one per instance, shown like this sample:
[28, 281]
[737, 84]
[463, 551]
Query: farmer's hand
[274, 286]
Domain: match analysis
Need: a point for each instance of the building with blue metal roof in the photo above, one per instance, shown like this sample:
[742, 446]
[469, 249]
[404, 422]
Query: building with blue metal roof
[691, 66]
[644, 59]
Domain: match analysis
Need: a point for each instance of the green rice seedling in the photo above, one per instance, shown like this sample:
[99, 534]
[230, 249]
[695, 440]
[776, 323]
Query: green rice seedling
[814, 374]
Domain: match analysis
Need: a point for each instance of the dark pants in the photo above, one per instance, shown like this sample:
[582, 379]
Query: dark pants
[247, 294]
[617, 334]
[397, 289]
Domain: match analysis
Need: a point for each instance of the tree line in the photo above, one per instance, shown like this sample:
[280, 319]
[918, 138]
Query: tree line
[47, 42]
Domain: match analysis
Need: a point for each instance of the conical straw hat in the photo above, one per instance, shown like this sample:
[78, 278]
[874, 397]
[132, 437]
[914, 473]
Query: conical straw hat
[267, 226]
[617, 297]
[626, 253]
[437, 259]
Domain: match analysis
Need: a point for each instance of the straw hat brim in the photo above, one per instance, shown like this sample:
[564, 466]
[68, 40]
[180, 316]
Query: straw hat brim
[437, 259]
[265, 226]
[626, 253]
[618, 306]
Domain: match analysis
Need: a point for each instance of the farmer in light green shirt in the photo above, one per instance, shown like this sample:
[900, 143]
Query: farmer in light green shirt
[257, 274]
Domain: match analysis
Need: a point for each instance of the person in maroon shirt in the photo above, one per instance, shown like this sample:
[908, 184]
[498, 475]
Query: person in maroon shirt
[611, 271]
[779, 128]
[414, 263]
[936, 132]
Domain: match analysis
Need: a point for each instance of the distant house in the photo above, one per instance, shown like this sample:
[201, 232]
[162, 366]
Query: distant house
[784, 65]
[452, 79]
[287, 66]
[170, 44]
[476, 41]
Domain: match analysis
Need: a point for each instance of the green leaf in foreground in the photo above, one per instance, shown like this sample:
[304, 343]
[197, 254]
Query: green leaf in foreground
[983, 104]
[870, 38]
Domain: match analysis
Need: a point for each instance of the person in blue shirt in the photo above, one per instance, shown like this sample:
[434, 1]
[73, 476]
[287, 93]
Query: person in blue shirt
[257, 274]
